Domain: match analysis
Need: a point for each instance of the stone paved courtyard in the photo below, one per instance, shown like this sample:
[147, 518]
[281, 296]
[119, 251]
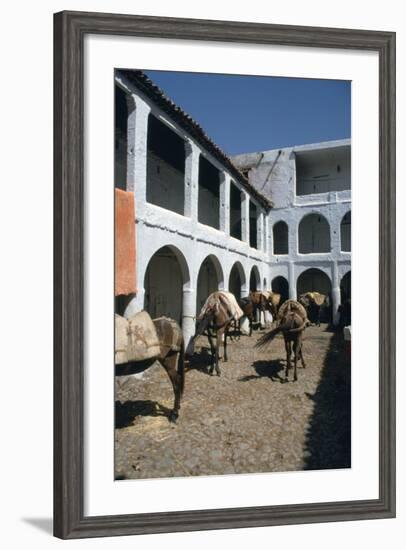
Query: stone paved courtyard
[246, 421]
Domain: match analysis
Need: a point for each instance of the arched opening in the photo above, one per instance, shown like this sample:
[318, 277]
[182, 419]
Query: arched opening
[345, 231]
[121, 113]
[280, 238]
[165, 277]
[314, 234]
[281, 286]
[255, 279]
[209, 279]
[345, 287]
[315, 280]
[237, 280]
[345, 307]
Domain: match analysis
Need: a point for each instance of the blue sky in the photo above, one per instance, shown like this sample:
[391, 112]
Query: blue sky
[255, 113]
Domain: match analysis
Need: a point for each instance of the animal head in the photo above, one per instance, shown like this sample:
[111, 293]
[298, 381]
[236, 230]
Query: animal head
[304, 299]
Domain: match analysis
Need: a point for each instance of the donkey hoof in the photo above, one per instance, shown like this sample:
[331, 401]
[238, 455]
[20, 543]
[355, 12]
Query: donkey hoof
[173, 417]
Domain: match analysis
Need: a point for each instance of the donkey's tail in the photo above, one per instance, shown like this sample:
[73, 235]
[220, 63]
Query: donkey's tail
[181, 367]
[268, 337]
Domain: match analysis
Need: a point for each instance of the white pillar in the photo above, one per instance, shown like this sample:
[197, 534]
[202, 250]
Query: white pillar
[188, 314]
[292, 282]
[266, 233]
[137, 134]
[260, 229]
[191, 180]
[225, 203]
[137, 150]
[245, 217]
[335, 237]
[335, 294]
[293, 237]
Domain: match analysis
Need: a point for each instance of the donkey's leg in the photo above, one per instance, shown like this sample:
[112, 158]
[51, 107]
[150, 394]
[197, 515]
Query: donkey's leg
[287, 348]
[296, 352]
[213, 351]
[218, 344]
[225, 343]
[301, 352]
[170, 364]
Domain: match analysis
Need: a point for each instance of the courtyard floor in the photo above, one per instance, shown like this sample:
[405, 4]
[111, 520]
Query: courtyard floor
[248, 420]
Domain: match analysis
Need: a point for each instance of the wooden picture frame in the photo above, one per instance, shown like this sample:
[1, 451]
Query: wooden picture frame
[70, 29]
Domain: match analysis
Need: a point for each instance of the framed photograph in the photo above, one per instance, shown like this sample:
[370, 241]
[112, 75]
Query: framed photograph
[224, 229]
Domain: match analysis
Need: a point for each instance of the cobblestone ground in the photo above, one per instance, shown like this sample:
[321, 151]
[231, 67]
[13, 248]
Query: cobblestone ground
[245, 421]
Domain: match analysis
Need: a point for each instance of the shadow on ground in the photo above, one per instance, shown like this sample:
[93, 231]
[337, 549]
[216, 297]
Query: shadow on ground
[328, 437]
[267, 369]
[201, 361]
[126, 413]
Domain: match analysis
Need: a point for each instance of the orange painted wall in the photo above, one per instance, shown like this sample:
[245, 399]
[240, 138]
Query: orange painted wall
[124, 281]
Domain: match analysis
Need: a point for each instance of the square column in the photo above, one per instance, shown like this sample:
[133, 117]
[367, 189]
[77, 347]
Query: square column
[335, 294]
[245, 217]
[260, 230]
[137, 134]
[192, 153]
[225, 203]
[292, 281]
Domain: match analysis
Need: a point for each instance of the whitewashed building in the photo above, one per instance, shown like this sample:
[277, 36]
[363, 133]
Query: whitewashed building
[277, 219]
[200, 224]
[310, 222]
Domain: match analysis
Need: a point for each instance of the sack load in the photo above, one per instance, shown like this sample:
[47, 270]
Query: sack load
[169, 333]
[293, 305]
[318, 298]
[136, 338]
[232, 305]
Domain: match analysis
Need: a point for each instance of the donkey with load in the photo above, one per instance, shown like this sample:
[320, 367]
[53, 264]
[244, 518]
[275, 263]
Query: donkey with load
[217, 315]
[292, 321]
[140, 341]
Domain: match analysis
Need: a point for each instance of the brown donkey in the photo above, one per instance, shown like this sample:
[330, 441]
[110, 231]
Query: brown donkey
[170, 356]
[218, 313]
[292, 320]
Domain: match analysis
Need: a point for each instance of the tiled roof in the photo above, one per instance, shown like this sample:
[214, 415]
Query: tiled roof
[186, 122]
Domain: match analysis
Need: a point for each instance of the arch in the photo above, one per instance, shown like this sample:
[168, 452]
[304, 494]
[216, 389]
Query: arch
[345, 287]
[315, 280]
[166, 277]
[255, 279]
[345, 232]
[280, 238]
[210, 278]
[314, 234]
[281, 286]
[237, 280]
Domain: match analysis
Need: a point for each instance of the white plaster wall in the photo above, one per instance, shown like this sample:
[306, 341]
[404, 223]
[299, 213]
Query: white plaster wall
[274, 172]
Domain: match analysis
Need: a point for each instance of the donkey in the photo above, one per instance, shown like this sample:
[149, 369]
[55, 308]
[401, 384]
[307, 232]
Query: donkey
[315, 304]
[217, 315]
[266, 301]
[292, 320]
[171, 357]
[248, 310]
